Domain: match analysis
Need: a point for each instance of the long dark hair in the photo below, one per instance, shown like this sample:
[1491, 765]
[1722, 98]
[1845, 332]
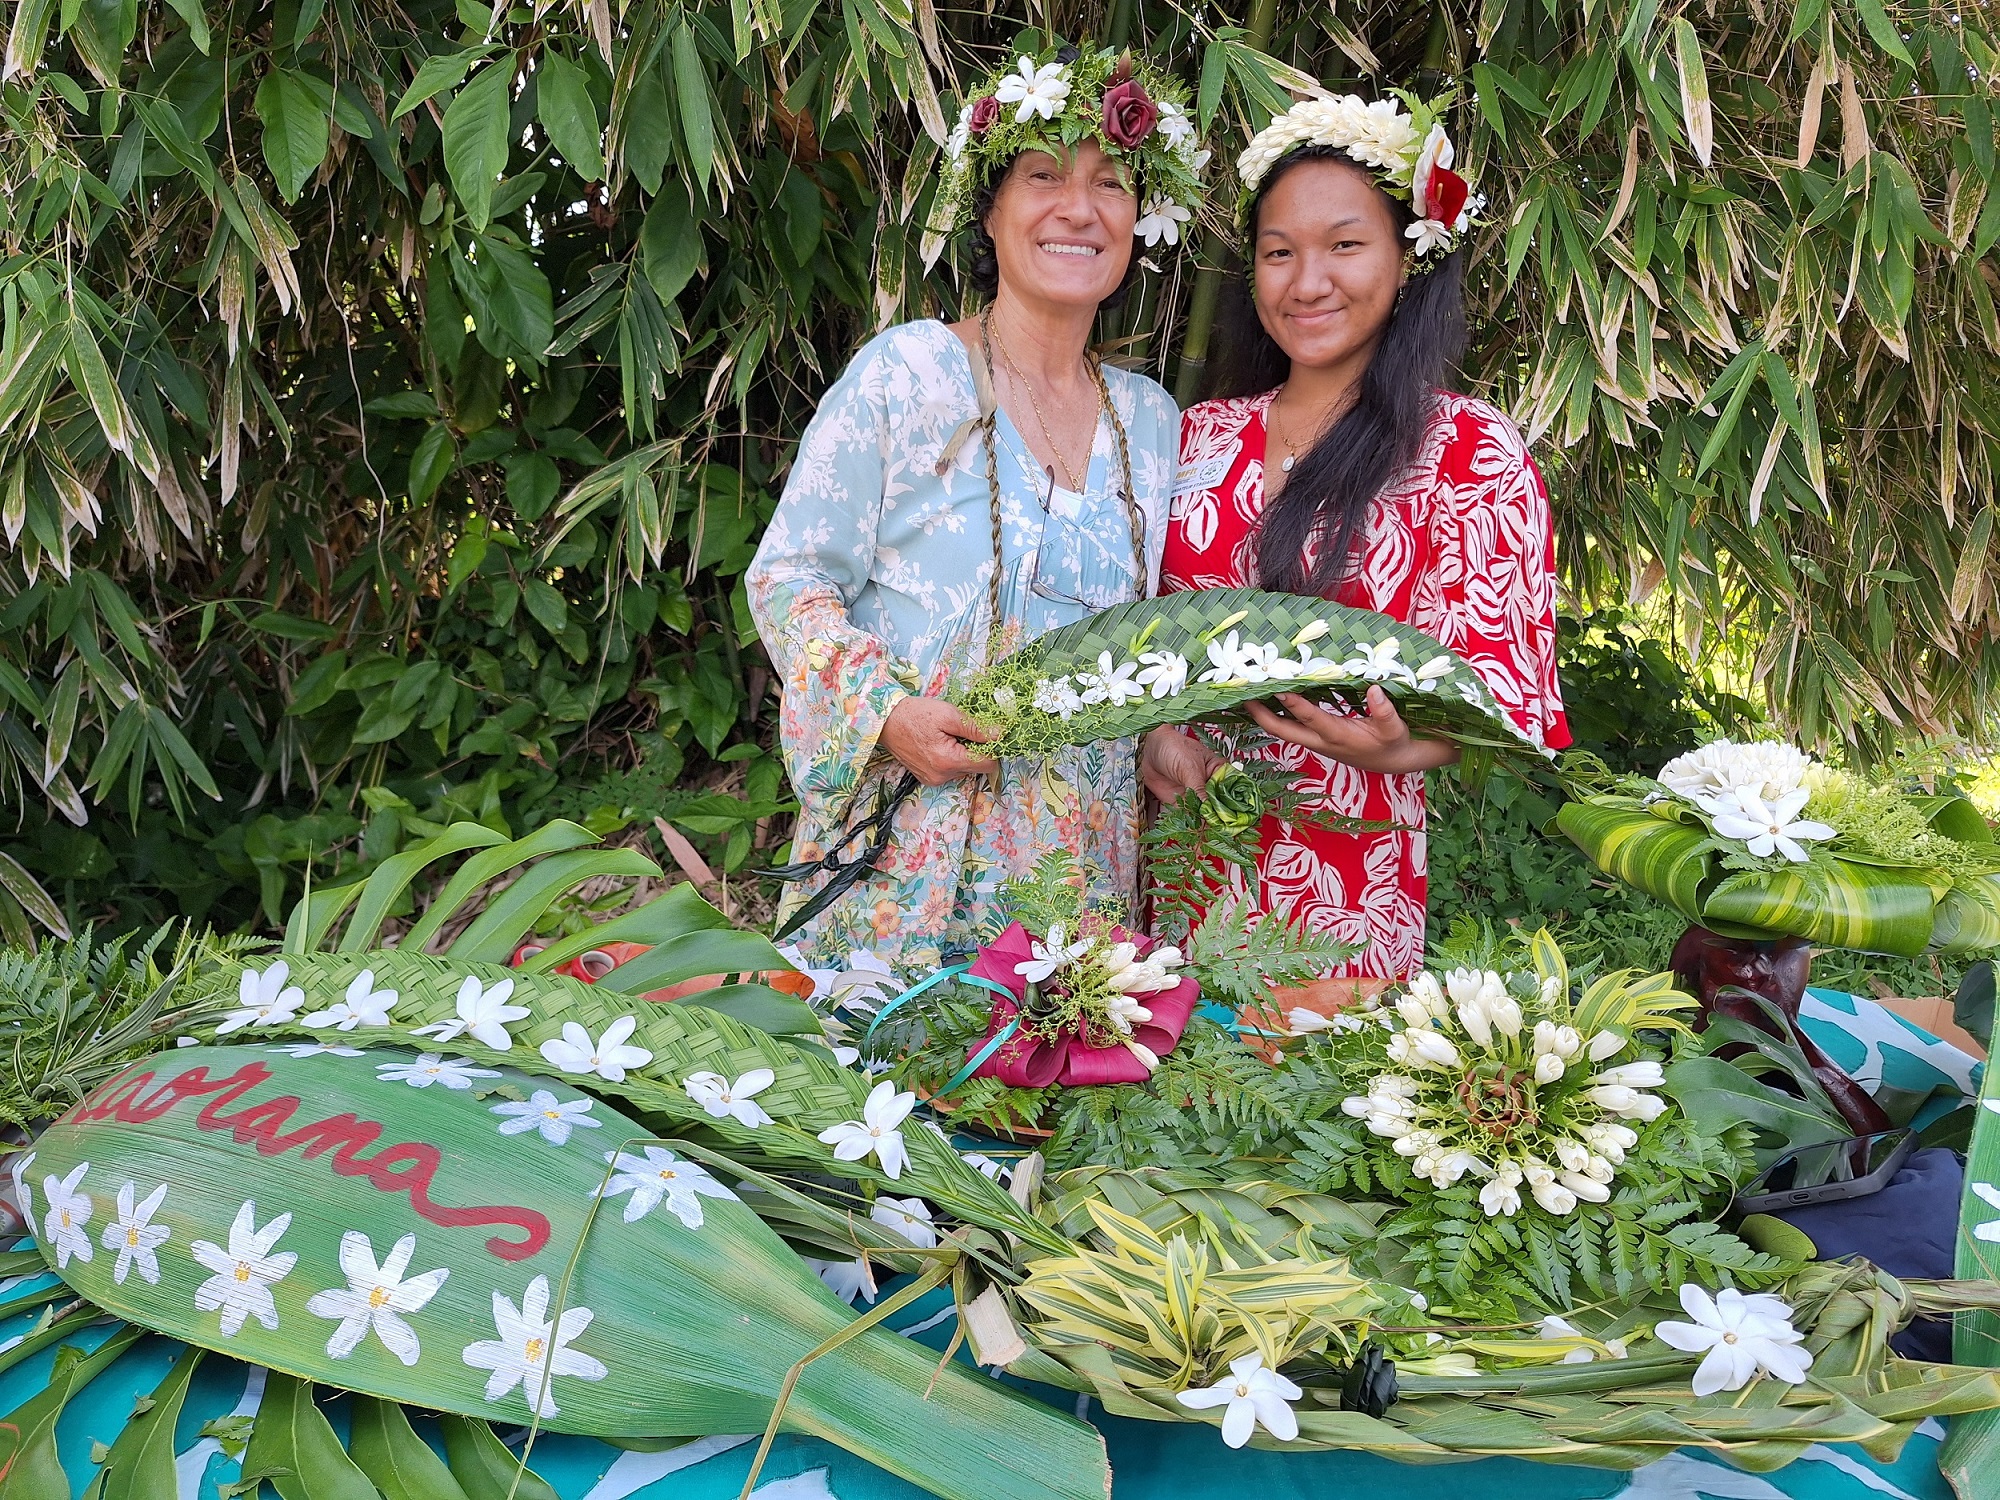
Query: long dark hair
[1327, 494]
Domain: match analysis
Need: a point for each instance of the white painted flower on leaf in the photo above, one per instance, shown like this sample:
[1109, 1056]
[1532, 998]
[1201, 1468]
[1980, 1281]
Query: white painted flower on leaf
[531, 1352]
[662, 1177]
[363, 1005]
[430, 1068]
[608, 1057]
[240, 1286]
[64, 1223]
[542, 1111]
[376, 1297]
[263, 999]
[1990, 1230]
[134, 1235]
[315, 1049]
[483, 1014]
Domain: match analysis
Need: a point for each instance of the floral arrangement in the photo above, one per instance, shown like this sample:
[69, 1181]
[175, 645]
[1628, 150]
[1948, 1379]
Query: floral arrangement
[1204, 653]
[1405, 149]
[1052, 99]
[1760, 840]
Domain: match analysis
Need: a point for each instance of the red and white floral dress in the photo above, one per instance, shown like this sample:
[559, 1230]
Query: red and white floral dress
[1460, 548]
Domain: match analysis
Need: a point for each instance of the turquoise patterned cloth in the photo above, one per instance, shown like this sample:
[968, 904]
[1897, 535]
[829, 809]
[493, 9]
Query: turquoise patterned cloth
[1150, 1461]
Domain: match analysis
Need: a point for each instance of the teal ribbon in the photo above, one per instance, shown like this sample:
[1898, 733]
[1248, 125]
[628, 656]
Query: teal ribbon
[999, 1039]
[963, 973]
[911, 993]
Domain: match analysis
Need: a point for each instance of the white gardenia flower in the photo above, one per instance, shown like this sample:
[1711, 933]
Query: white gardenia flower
[660, 1176]
[483, 1014]
[960, 137]
[429, 1068]
[608, 1057]
[861, 986]
[263, 999]
[363, 1005]
[542, 1111]
[876, 1132]
[1174, 126]
[732, 1101]
[1253, 1396]
[1161, 220]
[1164, 673]
[1234, 661]
[1114, 682]
[376, 1297]
[1742, 1336]
[1768, 770]
[1765, 828]
[1050, 956]
[65, 1222]
[1039, 91]
[243, 1275]
[1426, 235]
[1378, 663]
[908, 1217]
[134, 1235]
[530, 1352]
[1634, 1075]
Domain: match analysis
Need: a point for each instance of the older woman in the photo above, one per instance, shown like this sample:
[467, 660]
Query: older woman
[1337, 462]
[963, 488]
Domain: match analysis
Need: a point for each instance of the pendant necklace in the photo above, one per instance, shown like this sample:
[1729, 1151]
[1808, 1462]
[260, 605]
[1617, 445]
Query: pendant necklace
[1291, 448]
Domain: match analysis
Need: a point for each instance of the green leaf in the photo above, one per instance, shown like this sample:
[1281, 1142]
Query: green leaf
[723, 951]
[568, 114]
[1668, 861]
[192, 12]
[476, 138]
[386, 884]
[438, 72]
[295, 107]
[140, 1465]
[490, 864]
[760, 1006]
[294, 1450]
[1718, 1095]
[671, 243]
[691, 100]
[1840, 903]
[1875, 16]
[33, 900]
[29, 1467]
[548, 607]
[433, 459]
[511, 914]
[397, 1462]
[648, 123]
[484, 1468]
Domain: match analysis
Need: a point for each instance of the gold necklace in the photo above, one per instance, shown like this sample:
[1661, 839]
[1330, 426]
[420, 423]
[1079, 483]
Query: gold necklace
[1291, 448]
[1069, 469]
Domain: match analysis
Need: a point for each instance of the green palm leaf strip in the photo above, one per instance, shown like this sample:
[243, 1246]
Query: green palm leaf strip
[1454, 704]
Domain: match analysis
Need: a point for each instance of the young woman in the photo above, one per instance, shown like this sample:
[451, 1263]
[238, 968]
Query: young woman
[964, 488]
[1335, 462]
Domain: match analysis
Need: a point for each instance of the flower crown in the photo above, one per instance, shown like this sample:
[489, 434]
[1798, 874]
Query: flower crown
[1060, 96]
[1406, 150]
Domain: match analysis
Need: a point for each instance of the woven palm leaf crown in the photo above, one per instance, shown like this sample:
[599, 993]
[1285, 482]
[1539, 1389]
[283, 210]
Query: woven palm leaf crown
[1403, 146]
[1061, 96]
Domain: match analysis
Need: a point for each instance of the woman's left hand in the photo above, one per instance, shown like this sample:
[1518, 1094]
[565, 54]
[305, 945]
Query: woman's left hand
[1378, 741]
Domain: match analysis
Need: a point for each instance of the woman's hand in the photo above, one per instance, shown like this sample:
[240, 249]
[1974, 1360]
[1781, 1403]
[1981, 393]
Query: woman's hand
[1174, 763]
[930, 737]
[1380, 741]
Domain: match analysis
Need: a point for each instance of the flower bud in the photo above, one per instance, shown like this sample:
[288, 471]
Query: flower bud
[1557, 1041]
[1472, 1016]
[1587, 1189]
[1554, 1197]
[1606, 1044]
[1435, 1049]
[1355, 1106]
[1499, 1197]
[1424, 987]
[1548, 1068]
[1505, 1012]
[1452, 1166]
[1574, 1155]
[1634, 1075]
[1463, 985]
[1399, 1084]
[1616, 1097]
[1395, 1127]
[1415, 1013]
[1645, 1108]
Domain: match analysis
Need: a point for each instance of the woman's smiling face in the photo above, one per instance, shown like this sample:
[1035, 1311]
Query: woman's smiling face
[1062, 227]
[1329, 260]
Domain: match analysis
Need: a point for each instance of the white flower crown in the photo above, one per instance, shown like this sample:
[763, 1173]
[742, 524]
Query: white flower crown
[1405, 150]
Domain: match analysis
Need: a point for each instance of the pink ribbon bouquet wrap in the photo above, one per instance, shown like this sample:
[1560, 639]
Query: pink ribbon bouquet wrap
[1030, 1062]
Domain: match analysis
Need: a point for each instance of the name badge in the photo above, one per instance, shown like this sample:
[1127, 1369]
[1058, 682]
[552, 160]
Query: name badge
[1192, 478]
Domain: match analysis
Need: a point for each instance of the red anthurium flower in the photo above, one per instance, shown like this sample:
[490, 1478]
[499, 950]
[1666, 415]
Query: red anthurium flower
[1445, 194]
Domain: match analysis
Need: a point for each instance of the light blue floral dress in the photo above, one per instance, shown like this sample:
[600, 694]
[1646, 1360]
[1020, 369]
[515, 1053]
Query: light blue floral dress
[871, 585]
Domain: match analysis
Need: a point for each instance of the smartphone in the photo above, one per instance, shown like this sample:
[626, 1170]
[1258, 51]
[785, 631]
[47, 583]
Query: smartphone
[1828, 1173]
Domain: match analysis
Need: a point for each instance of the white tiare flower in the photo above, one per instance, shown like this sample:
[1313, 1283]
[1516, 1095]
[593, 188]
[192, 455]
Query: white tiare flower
[483, 1014]
[846, 1279]
[1765, 828]
[65, 1222]
[1175, 125]
[908, 1217]
[1741, 1335]
[862, 985]
[1131, 975]
[134, 1235]
[960, 137]
[725, 1100]
[315, 1049]
[986, 1166]
[1303, 1022]
[1160, 220]
[1057, 697]
[531, 1352]
[1125, 1013]
[242, 1276]
[1425, 990]
[1233, 661]
[1426, 235]
[660, 1176]
[1253, 1395]
[1548, 1039]
[1056, 953]
[1039, 91]
[24, 1195]
[1768, 770]
[263, 999]
[430, 1068]
[607, 1057]
[875, 1133]
[1163, 673]
[542, 1111]
[363, 1005]
[1431, 673]
[1112, 682]
[1625, 1102]
[1378, 663]
[376, 1297]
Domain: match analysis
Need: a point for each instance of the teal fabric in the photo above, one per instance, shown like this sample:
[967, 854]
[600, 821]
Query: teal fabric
[1150, 1461]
